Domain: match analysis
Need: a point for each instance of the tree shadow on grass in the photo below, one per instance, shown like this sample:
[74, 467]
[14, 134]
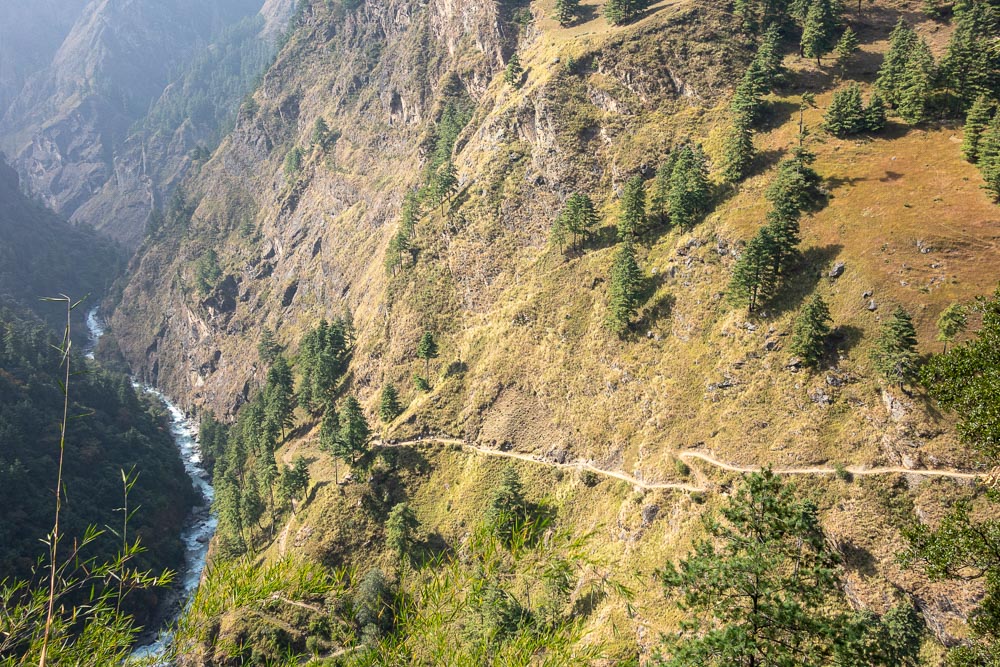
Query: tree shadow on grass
[842, 340]
[433, 548]
[802, 279]
[776, 113]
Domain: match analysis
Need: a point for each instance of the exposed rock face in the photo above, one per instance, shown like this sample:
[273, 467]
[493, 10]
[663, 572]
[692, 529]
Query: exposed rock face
[314, 242]
[65, 130]
[30, 33]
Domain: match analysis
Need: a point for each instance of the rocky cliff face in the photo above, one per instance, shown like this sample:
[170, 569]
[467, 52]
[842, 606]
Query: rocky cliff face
[65, 131]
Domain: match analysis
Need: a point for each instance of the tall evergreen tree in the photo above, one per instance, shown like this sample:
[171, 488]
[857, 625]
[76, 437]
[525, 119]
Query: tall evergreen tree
[626, 281]
[753, 276]
[659, 204]
[819, 29]
[951, 322]
[400, 527]
[970, 66]
[268, 348]
[748, 98]
[846, 47]
[427, 349]
[916, 83]
[783, 232]
[762, 589]
[770, 58]
[567, 11]
[875, 113]
[976, 123]
[689, 188]
[578, 218]
[890, 75]
[279, 394]
[846, 114]
[632, 218]
[989, 157]
[354, 429]
[809, 333]
[737, 150]
[330, 442]
[513, 74]
[895, 352]
[389, 407]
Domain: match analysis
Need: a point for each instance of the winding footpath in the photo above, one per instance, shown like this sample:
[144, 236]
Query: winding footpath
[580, 464]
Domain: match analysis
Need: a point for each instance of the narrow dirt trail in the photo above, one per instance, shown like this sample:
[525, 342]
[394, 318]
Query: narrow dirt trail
[860, 471]
[283, 540]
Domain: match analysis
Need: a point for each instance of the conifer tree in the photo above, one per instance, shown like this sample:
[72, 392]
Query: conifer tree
[916, 83]
[753, 276]
[252, 505]
[578, 218]
[951, 322]
[819, 29]
[689, 188]
[762, 589]
[616, 11]
[445, 183]
[294, 480]
[427, 349]
[770, 58]
[268, 348]
[626, 281]
[989, 157]
[659, 204]
[895, 352]
[321, 134]
[970, 66]
[783, 231]
[875, 113]
[976, 123]
[354, 429]
[279, 395]
[737, 150]
[567, 11]
[748, 98]
[266, 469]
[400, 527]
[846, 114]
[846, 47]
[633, 211]
[389, 407]
[890, 75]
[809, 333]
[330, 442]
[514, 73]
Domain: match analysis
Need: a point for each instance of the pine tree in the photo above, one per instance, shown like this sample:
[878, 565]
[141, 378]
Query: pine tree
[445, 183]
[659, 205]
[952, 322]
[253, 506]
[819, 29]
[514, 73]
[769, 57]
[783, 231]
[916, 83]
[354, 429]
[626, 281]
[321, 134]
[616, 11]
[875, 113]
[753, 276]
[427, 349]
[567, 11]
[294, 480]
[762, 588]
[737, 151]
[969, 67]
[689, 188]
[268, 348]
[846, 47]
[279, 394]
[578, 218]
[890, 75]
[389, 407]
[633, 210]
[809, 333]
[895, 353]
[989, 157]
[976, 123]
[846, 114]
[400, 526]
[748, 98]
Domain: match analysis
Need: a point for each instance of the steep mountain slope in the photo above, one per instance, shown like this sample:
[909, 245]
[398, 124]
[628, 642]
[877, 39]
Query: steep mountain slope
[286, 225]
[44, 256]
[65, 129]
[30, 33]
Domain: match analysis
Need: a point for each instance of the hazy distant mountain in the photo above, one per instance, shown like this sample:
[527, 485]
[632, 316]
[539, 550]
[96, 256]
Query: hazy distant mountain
[68, 125]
